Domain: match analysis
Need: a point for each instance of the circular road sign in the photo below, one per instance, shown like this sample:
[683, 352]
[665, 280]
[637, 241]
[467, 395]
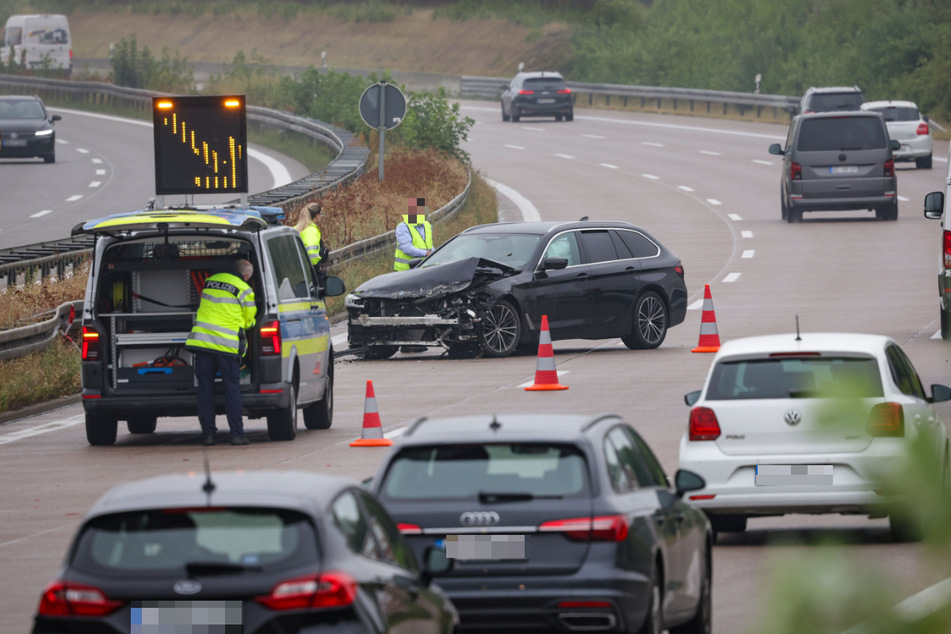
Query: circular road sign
[394, 106]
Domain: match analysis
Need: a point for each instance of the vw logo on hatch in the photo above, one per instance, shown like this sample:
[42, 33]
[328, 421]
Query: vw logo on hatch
[479, 518]
[793, 417]
[187, 586]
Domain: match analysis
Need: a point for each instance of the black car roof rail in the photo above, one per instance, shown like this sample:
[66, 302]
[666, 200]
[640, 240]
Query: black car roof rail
[597, 419]
[414, 425]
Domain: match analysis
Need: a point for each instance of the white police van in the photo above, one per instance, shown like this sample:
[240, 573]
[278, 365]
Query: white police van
[38, 41]
[145, 284]
[938, 207]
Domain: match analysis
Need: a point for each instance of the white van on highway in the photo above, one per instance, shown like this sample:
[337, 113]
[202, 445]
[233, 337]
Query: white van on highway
[38, 42]
[938, 207]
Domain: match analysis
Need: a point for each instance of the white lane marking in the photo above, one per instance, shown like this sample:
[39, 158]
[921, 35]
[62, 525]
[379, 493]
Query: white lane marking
[685, 188]
[936, 335]
[395, 433]
[697, 305]
[735, 217]
[41, 429]
[532, 129]
[62, 142]
[95, 183]
[100, 172]
[528, 210]
[515, 147]
[651, 176]
[732, 277]
[593, 136]
[903, 199]
[97, 161]
[652, 144]
[709, 153]
[746, 234]
[915, 608]
[40, 214]
[609, 166]
[762, 162]
[279, 173]
[941, 160]
[714, 201]
[565, 156]
[748, 254]
[339, 339]
[561, 373]
[73, 199]
[82, 150]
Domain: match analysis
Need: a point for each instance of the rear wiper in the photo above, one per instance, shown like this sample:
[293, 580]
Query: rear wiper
[217, 568]
[485, 497]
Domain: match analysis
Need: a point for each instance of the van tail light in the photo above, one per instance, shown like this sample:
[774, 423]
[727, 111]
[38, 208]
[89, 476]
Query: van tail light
[90, 346]
[271, 338]
[889, 167]
[922, 129]
[526, 92]
[703, 424]
[947, 249]
[71, 599]
[327, 590]
[886, 420]
[605, 528]
[795, 171]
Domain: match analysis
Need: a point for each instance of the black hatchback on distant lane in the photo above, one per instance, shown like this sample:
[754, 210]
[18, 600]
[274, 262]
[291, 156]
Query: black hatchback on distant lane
[555, 523]
[26, 128]
[537, 94]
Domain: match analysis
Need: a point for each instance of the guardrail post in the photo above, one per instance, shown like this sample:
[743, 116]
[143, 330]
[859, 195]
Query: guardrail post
[675, 103]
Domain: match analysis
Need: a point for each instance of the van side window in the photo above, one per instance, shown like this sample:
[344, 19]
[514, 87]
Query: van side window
[289, 274]
[12, 37]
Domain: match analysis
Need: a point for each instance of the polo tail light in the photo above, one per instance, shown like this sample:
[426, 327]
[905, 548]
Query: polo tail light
[71, 599]
[886, 420]
[90, 344]
[328, 590]
[922, 129]
[947, 249]
[271, 338]
[795, 171]
[604, 528]
[703, 424]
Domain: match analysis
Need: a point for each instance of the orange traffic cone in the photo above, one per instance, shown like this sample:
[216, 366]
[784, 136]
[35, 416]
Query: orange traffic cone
[546, 376]
[372, 428]
[709, 337]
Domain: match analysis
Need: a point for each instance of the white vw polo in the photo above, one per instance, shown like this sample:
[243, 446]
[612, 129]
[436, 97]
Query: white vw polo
[811, 423]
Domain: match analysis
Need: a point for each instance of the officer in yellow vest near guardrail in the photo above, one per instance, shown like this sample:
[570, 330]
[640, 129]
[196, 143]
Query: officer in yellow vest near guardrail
[414, 236]
[310, 232]
[217, 340]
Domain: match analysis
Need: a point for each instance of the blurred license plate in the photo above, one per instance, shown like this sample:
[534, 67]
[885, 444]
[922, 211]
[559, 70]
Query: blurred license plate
[159, 617]
[485, 547]
[793, 474]
[546, 101]
[14, 142]
[844, 169]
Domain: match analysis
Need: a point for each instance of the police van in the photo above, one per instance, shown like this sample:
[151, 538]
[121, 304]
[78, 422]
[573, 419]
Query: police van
[938, 207]
[148, 271]
[38, 41]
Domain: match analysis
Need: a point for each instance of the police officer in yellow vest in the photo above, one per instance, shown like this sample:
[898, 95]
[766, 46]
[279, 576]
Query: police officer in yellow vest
[310, 232]
[217, 341]
[414, 236]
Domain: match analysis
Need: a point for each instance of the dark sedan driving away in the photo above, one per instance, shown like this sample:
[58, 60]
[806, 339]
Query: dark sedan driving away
[484, 292]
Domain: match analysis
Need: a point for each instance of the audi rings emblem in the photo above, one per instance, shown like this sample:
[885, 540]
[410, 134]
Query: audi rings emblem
[793, 417]
[187, 586]
[479, 518]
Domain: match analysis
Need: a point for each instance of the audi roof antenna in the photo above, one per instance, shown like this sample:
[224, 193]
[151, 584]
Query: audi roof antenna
[208, 487]
[798, 338]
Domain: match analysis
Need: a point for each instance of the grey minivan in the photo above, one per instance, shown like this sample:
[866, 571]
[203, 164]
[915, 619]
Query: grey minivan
[838, 161]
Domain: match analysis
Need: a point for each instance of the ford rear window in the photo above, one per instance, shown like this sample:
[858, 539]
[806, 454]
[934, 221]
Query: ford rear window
[805, 377]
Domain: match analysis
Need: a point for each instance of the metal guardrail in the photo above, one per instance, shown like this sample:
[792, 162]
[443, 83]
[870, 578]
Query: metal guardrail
[19, 342]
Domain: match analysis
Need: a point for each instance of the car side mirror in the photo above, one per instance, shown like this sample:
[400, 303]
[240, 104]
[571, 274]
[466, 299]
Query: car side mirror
[686, 481]
[940, 393]
[55, 118]
[692, 397]
[334, 286]
[435, 562]
[776, 149]
[925, 118]
[552, 264]
[895, 145]
[934, 205]
[504, 87]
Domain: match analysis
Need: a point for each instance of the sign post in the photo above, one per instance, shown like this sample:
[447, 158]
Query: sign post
[382, 106]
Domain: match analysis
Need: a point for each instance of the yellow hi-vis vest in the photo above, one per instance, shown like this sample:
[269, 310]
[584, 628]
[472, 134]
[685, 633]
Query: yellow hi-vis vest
[402, 260]
[310, 236]
[226, 308]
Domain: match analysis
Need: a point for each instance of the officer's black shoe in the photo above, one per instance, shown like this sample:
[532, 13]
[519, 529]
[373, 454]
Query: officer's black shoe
[240, 440]
[208, 440]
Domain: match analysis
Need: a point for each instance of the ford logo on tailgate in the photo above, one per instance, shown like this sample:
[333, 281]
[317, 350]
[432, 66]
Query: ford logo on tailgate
[479, 518]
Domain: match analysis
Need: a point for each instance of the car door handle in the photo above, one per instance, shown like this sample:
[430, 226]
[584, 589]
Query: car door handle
[582, 276]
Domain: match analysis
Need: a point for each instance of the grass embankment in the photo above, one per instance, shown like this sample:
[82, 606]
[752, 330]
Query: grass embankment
[364, 209]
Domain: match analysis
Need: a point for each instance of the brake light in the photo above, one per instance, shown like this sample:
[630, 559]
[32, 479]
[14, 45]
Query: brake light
[922, 129]
[886, 420]
[947, 249]
[703, 424]
[271, 338]
[327, 590]
[703, 496]
[409, 529]
[526, 92]
[889, 167]
[564, 91]
[606, 528]
[62, 599]
[90, 348]
[795, 171]
[679, 270]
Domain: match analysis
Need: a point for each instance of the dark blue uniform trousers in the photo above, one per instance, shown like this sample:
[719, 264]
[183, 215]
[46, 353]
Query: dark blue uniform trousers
[206, 365]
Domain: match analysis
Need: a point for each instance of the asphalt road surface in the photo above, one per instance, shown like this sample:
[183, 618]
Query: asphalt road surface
[709, 190]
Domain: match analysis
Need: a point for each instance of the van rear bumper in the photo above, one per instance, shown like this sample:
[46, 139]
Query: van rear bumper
[842, 204]
[268, 398]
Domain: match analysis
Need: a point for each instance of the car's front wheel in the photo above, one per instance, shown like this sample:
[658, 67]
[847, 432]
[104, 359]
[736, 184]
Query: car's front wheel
[320, 415]
[650, 323]
[501, 330]
[101, 429]
[49, 158]
[282, 424]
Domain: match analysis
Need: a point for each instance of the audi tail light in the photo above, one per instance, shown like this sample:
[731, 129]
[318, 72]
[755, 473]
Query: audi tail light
[564, 91]
[526, 92]
[947, 249]
[703, 424]
[886, 420]
[271, 338]
[795, 171]
[328, 590]
[72, 599]
[409, 529]
[922, 129]
[679, 270]
[90, 345]
[605, 528]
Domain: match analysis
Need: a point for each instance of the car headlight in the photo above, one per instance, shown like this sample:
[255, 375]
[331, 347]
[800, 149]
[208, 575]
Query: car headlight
[43, 132]
[352, 300]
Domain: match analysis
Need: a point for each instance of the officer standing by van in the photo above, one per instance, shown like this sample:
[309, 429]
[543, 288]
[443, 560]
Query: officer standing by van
[414, 236]
[217, 340]
[309, 232]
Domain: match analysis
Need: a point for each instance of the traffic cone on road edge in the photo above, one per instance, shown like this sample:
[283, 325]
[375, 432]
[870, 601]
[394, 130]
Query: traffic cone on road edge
[546, 376]
[709, 337]
[372, 435]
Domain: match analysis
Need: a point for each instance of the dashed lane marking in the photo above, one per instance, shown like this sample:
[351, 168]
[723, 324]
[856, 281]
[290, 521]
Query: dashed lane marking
[732, 277]
[40, 214]
[515, 147]
[735, 217]
[651, 144]
[709, 153]
[746, 234]
[73, 199]
[95, 183]
[714, 201]
[762, 162]
[82, 150]
[685, 188]
[565, 156]
[594, 136]
[609, 166]
[651, 177]
[748, 254]
[41, 429]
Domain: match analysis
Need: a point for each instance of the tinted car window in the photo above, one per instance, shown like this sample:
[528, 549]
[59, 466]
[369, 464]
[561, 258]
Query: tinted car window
[841, 133]
[903, 373]
[544, 83]
[638, 244]
[165, 541]
[598, 246]
[565, 246]
[652, 465]
[347, 516]
[835, 101]
[464, 471]
[288, 269]
[896, 113]
[795, 377]
[511, 249]
[629, 458]
[392, 546]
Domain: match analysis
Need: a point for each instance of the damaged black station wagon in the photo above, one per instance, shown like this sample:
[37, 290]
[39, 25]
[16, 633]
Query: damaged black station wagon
[485, 291]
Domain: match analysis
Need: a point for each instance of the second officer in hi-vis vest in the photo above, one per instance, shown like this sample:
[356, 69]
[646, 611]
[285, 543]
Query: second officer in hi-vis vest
[414, 236]
[217, 340]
